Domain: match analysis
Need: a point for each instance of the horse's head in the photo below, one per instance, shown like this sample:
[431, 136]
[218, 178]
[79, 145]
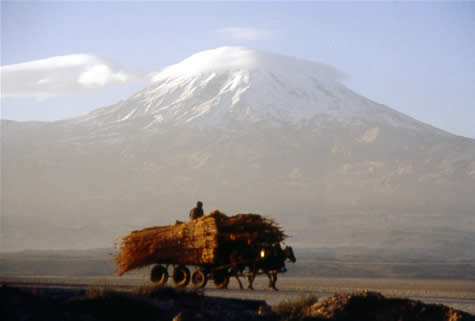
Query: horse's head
[289, 254]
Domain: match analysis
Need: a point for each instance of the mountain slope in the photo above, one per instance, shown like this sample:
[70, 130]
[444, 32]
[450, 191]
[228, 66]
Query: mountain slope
[244, 131]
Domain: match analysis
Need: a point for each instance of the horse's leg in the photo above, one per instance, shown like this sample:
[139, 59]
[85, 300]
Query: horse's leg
[234, 258]
[252, 276]
[237, 278]
[251, 281]
[270, 278]
[239, 281]
[235, 273]
[274, 281]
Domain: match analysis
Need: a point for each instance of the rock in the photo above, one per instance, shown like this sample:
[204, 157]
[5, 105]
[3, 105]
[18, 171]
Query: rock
[178, 317]
[264, 311]
[366, 305]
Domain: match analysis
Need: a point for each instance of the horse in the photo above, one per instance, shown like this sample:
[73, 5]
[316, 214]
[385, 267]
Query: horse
[272, 263]
[240, 259]
[269, 260]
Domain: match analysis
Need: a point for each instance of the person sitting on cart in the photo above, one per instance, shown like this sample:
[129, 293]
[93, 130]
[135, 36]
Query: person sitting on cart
[197, 211]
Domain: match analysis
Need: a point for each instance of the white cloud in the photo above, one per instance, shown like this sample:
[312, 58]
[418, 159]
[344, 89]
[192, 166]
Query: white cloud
[244, 34]
[59, 75]
[100, 75]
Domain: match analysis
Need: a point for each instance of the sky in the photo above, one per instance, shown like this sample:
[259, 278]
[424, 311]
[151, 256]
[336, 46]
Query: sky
[64, 59]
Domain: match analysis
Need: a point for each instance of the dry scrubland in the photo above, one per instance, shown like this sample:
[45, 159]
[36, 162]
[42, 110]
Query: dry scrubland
[459, 295]
[102, 303]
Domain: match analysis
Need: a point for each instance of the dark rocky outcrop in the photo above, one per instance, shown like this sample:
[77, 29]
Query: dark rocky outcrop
[96, 304]
[106, 304]
[367, 306]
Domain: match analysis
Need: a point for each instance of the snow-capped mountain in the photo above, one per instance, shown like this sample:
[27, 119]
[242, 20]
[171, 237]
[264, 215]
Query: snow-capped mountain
[215, 88]
[244, 131]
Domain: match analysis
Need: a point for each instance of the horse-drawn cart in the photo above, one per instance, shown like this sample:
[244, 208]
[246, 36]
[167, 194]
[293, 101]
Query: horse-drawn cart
[215, 246]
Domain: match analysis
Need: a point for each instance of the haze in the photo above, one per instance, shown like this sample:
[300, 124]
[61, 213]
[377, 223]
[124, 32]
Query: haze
[349, 124]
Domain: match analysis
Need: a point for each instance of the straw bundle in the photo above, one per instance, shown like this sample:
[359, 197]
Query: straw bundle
[250, 228]
[204, 241]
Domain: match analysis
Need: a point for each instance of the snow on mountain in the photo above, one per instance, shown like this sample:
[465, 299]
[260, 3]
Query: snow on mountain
[219, 86]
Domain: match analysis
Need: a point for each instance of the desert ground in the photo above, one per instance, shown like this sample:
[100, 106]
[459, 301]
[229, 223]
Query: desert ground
[459, 295]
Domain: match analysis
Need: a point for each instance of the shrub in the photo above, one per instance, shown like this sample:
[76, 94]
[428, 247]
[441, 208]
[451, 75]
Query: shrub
[98, 292]
[164, 291]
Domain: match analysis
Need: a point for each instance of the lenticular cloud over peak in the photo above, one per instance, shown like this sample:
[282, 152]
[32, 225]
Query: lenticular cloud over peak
[226, 59]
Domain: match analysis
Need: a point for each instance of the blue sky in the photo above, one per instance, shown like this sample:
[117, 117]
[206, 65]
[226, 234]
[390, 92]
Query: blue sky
[418, 58]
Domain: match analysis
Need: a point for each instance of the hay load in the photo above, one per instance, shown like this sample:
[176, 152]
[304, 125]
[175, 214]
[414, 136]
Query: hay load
[204, 241]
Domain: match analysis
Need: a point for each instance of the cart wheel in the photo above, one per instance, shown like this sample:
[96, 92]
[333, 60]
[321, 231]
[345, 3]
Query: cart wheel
[159, 275]
[199, 279]
[181, 276]
[221, 279]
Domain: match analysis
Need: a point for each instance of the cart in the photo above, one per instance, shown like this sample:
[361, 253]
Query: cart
[214, 247]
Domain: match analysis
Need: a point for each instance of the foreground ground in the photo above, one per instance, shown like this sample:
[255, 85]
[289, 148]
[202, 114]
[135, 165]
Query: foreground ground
[148, 303]
[459, 295]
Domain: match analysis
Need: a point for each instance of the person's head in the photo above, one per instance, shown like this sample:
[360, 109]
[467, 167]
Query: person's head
[199, 204]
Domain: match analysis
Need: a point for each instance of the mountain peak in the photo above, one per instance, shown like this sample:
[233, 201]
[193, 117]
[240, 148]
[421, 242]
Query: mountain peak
[216, 88]
[230, 59]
